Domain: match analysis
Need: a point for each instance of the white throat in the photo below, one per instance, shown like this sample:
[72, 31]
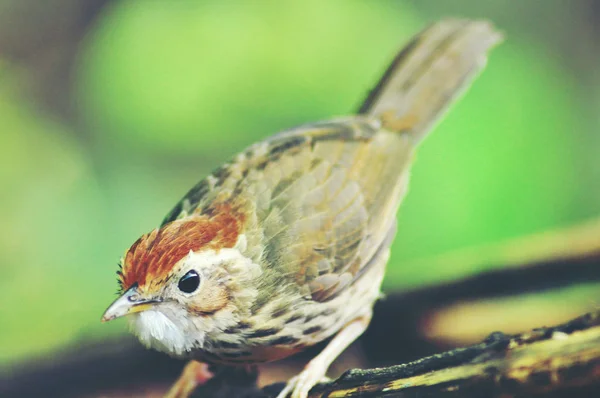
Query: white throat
[156, 330]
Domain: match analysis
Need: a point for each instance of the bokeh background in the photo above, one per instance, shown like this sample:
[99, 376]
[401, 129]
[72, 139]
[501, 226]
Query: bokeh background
[111, 110]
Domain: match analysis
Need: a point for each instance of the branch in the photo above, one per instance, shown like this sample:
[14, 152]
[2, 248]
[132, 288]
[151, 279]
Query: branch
[560, 361]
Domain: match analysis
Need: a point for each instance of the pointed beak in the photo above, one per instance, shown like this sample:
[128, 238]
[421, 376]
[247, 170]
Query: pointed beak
[129, 302]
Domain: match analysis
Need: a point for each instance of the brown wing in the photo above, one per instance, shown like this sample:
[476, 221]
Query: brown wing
[326, 199]
[319, 200]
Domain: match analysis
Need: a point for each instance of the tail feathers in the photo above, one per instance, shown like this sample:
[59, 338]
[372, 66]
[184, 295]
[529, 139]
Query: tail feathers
[428, 75]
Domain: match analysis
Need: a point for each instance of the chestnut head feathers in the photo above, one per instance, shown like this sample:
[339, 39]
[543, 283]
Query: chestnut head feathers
[286, 244]
[185, 279]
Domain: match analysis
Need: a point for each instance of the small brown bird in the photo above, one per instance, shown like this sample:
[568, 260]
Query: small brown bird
[286, 245]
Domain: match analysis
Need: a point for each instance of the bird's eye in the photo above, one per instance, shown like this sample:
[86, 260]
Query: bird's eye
[189, 282]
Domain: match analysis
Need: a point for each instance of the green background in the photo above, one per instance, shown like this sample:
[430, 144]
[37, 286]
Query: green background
[159, 93]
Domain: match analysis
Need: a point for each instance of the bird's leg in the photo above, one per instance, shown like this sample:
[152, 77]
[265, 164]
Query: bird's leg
[315, 370]
[194, 374]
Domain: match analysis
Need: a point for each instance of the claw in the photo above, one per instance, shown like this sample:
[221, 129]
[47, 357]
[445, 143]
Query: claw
[299, 386]
[288, 387]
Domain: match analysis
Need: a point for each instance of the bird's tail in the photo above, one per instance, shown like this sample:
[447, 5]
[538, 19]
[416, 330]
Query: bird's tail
[429, 74]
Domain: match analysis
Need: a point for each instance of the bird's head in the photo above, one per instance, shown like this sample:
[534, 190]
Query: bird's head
[185, 280]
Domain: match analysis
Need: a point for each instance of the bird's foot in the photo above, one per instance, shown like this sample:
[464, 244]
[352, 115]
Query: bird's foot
[194, 374]
[300, 385]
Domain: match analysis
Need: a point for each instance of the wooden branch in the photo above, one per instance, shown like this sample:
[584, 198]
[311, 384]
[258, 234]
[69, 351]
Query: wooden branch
[560, 361]
[565, 358]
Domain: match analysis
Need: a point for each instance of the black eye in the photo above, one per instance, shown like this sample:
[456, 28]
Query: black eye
[189, 282]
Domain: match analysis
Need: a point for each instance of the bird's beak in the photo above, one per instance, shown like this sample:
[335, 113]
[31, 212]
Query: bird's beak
[129, 302]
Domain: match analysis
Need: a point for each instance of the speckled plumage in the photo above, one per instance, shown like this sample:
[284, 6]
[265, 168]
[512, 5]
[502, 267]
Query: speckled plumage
[310, 219]
[289, 240]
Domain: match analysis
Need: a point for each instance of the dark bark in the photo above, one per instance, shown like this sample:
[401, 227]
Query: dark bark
[560, 361]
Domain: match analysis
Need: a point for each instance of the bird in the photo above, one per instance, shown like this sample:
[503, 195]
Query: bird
[286, 245]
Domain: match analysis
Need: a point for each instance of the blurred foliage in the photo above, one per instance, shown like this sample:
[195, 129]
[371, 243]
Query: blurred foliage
[165, 91]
